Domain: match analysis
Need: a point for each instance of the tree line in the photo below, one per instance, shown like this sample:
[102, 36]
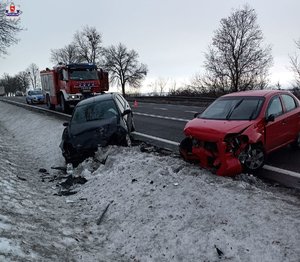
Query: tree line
[236, 60]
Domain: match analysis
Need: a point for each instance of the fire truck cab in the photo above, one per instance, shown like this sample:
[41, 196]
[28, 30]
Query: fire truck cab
[66, 85]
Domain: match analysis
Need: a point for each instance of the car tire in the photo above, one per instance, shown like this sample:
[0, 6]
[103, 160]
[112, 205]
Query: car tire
[185, 150]
[296, 143]
[252, 158]
[49, 105]
[27, 102]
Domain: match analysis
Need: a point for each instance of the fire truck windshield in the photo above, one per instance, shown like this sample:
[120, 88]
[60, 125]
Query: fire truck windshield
[83, 75]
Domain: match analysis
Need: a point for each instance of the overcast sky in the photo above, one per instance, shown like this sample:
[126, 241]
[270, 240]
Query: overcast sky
[171, 36]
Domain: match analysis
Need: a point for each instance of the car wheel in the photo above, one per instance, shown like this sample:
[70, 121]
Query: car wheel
[27, 101]
[49, 105]
[296, 143]
[252, 158]
[185, 150]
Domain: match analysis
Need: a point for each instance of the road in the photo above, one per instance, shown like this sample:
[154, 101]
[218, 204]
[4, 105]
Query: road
[167, 121]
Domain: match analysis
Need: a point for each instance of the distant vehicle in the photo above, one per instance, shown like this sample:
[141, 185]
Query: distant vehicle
[19, 93]
[102, 120]
[238, 130]
[35, 97]
[2, 91]
[66, 85]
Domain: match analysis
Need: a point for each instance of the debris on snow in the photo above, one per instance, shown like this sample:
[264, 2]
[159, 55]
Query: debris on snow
[103, 213]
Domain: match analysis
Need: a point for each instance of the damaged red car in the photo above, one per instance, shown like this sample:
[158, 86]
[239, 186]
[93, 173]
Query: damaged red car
[237, 131]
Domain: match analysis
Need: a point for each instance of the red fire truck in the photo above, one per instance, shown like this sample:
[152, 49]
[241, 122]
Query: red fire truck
[66, 85]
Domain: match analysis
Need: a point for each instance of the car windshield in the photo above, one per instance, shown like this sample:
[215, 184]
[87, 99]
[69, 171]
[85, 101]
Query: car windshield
[234, 108]
[36, 92]
[83, 75]
[95, 111]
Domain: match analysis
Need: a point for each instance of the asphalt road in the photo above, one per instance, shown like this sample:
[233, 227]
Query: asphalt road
[167, 121]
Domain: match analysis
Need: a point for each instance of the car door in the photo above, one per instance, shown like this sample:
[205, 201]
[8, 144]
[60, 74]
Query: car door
[276, 131]
[292, 116]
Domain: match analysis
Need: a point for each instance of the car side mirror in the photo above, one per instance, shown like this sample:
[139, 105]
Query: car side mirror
[65, 124]
[196, 115]
[271, 118]
[126, 112]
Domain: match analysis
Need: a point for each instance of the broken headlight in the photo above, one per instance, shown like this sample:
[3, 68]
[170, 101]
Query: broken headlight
[234, 142]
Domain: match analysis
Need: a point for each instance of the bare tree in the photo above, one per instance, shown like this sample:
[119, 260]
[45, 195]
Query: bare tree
[67, 55]
[8, 31]
[10, 84]
[236, 60]
[34, 75]
[23, 81]
[295, 65]
[88, 44]
[123, 66]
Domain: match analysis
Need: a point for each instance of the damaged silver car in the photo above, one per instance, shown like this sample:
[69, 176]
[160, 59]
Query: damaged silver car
[99, 121]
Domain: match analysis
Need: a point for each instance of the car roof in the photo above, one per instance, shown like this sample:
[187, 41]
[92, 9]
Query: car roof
[261, 93]
[102, 97]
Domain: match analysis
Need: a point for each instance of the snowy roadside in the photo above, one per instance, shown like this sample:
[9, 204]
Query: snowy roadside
[158, 208]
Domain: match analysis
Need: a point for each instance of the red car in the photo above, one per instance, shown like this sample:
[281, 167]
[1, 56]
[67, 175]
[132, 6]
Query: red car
[238, 130]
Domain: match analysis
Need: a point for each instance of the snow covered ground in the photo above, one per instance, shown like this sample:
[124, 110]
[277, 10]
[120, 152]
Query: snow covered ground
[135, 207]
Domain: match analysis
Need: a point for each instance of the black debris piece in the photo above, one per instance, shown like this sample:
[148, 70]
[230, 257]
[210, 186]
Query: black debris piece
[65, 193]
[43, 170]
[103, 213]
[220, 253]
[133, 180]
[71, 180]
[62, 168]
[102, 161]
[21, 178]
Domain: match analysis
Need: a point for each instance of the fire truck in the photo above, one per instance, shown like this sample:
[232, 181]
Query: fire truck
[66, 85]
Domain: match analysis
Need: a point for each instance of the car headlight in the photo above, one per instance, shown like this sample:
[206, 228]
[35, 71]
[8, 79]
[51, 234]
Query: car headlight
[234, 142]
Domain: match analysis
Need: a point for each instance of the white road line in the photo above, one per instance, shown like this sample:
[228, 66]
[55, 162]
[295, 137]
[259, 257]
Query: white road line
[266, 167]
[173, 143]
[282, 171]
[160, 108]
[193, 112]
[162, 117]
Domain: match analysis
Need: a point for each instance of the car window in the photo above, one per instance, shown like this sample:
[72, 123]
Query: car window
[275, 107]
[288, 102]
[95, 111]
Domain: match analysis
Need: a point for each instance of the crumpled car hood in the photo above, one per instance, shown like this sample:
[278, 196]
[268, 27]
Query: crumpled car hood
[213, 130]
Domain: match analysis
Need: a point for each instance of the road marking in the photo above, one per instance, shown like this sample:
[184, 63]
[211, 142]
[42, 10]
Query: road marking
[193, 112]
[162, 117]
[282, 171]
[173, 143]
[160, 108]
